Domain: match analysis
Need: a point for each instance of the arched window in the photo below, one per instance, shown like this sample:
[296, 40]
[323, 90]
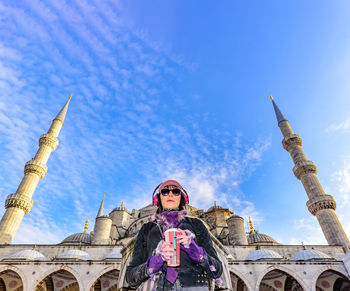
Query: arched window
[277, 280]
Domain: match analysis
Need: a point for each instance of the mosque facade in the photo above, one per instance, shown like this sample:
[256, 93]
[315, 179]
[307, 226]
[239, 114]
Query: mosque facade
[97, 261]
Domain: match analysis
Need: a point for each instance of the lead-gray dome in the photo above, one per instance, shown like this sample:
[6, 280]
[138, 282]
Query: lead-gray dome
[260, 238]
[263, 254]
[346, 257]
[307, 255]
[114, 254]
[74, 254]
[29, 255]
[81, 238]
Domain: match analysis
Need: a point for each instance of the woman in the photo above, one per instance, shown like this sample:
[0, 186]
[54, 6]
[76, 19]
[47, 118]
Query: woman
[198, 257]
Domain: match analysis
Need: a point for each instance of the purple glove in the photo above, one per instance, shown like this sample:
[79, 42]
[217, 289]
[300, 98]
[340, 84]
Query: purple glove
[155, 263]
[195, 252]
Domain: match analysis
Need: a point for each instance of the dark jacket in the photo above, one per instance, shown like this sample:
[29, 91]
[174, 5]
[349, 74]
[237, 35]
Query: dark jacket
[189, 272]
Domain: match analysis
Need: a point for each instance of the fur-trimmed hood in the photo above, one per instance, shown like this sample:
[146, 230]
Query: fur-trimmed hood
[169, 219]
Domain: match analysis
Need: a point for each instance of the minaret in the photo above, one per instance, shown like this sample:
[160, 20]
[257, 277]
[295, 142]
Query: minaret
[320, 204]
[21, 202]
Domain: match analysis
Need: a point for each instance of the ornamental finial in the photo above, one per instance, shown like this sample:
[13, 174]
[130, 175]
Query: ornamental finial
[86, 224]
[251, 226]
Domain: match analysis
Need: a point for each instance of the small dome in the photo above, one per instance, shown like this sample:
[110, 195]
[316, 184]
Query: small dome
[263, 254]
[260, 238]
[346, 257]
[235, 216]
[215, 207]
[82, 238]
[307, 255]
[114, 254]
[120, 208]
[74, 254]
[29, 255]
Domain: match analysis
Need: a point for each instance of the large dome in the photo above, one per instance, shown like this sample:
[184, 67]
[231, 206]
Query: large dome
[255, 238]
[78, 238]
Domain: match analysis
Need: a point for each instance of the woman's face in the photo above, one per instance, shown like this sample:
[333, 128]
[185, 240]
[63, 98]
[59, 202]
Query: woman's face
[170, 201]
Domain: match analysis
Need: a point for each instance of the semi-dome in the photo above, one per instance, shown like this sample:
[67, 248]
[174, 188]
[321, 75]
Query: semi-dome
[75, 255]
[263, 254]
[29, 255]
[78, 238]
[307, 255]
[114, 254]
[256, 238]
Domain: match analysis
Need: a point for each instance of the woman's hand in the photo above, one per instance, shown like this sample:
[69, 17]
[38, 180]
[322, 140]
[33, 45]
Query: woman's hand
[167, 251]
[183, 238]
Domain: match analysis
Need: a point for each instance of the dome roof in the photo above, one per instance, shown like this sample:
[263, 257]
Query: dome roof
[80, 237]
[307, 255]
[114, 254]
[346, 257]
[29, 255]
[74, 254]
[263, 254]
[216, 207]
[235, 216]
[260, 238]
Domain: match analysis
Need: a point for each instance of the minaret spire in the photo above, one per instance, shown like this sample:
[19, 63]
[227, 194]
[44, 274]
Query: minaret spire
[20, 203]
[320, 204]
[62, 114]
[100, 211]
[279, 115]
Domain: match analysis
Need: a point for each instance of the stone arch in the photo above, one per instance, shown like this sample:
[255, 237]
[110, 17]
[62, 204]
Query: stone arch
[11, 277]
[332, 280]
[275, 278]
[108, 278]
[237, 283]
[62, 276]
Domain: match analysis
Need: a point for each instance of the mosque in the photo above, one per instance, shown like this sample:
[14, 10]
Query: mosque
[97, 261]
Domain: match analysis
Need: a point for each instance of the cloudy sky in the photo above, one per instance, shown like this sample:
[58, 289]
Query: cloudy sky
[175, 89]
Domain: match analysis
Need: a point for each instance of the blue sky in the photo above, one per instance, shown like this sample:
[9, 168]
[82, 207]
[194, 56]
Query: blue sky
[175, 89]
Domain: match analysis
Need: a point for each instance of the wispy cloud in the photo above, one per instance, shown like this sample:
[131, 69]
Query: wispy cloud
[310, 232]
[342, 127]
[126, 128]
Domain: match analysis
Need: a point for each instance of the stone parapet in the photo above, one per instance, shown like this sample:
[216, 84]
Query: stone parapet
[47, 139]
[321, 202]
[290, 141]
[19, 201]
[304, 167]
[35, 167]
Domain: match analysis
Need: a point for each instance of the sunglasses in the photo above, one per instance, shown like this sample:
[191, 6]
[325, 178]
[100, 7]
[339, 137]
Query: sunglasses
[165, 192]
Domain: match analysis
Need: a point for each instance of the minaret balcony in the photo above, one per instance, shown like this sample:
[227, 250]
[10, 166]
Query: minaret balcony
[47, 139]
[291, 141]
[19, 201]
[321, 202]
[35, 167]
[303, 168]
